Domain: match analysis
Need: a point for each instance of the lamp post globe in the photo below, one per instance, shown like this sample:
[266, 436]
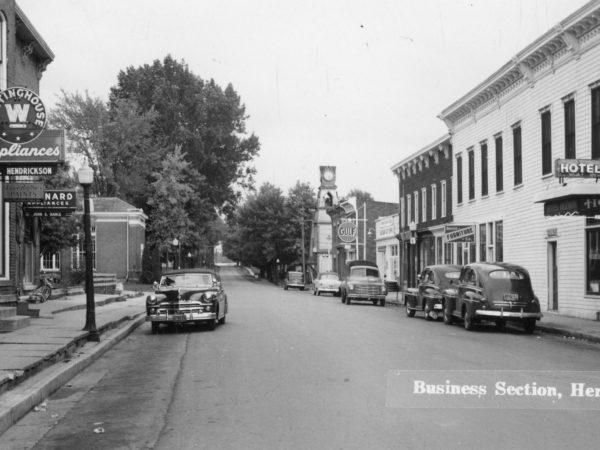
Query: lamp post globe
[85, 176]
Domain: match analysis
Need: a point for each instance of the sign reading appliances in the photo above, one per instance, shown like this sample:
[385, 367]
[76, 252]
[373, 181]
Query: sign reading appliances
[47, 148]
[54, 200]
[22, 115]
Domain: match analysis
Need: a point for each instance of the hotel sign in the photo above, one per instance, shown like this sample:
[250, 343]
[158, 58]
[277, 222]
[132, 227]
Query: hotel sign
[585, 205]
[459, 233]
[577, 168]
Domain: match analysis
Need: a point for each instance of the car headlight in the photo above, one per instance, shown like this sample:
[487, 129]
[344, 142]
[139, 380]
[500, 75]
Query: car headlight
[350, 286]
[152, 310]
[151, 300]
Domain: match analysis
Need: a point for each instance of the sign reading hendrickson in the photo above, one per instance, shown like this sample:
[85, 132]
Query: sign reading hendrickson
[577, 168]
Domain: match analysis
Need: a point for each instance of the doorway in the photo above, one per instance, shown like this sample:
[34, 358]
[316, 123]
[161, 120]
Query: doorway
[552, 277]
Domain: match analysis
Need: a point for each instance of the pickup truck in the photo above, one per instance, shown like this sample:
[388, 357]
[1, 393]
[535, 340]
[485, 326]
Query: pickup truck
[362, 281]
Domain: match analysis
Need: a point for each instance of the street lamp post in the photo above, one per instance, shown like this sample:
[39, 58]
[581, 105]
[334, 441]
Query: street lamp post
[86, 178]
[177, 243]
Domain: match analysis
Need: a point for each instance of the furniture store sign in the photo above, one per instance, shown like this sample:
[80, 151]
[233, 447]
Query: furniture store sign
[459, 233]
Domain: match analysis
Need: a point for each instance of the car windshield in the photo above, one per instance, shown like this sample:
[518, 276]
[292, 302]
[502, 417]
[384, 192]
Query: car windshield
[452, 275]
[364, 272]
[187, 279]
[329, 276]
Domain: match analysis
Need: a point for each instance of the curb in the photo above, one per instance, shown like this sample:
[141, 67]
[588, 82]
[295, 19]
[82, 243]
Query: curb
[568, 333]
[17, 402]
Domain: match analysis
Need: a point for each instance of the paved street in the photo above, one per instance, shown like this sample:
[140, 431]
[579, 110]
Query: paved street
[293, 371]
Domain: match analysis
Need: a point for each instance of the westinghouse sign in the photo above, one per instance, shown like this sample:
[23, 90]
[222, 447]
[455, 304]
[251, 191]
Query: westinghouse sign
[22, 115]
[577, 168]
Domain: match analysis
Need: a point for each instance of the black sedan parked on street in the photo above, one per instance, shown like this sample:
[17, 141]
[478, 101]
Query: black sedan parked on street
[492, 291]
[427, 296]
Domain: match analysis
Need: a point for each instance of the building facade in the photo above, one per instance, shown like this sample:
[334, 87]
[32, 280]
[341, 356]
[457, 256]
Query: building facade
[321, 242]
[387, 229]
[507, 134]
[425, 197]
[24, 56]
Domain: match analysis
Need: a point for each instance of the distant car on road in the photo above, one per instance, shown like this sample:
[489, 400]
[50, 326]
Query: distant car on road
[362, 281]
[294, 279]
[427, 296]
[495, 291]
[327, 282]
[187, 296]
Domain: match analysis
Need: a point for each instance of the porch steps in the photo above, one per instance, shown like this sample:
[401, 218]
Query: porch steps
[14, 322]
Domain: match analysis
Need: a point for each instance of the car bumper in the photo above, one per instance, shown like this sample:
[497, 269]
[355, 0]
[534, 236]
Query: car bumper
[328, 289]
[181, 317]
[366, 297]
[508, 314]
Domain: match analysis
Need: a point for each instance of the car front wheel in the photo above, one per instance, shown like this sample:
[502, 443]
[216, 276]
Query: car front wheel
[468, 321]
[410, 312]
[448, 319]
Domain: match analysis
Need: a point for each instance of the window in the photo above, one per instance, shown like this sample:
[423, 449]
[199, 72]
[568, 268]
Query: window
[443, 198]
[546, 143]
[402, 212]
[484, 169]
[482, 242]
[499, 250]
[593, 261]
[50, 262]
[424, 205]
[416, 197]
[78, 252]
[569, 106]
[499, 164]
[471, 155]
[434, 202]
[596, 122]
[459, 179]
[408, 209]
[517, 156]
[440, 250]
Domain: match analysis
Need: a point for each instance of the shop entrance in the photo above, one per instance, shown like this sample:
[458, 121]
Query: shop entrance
[552, 277]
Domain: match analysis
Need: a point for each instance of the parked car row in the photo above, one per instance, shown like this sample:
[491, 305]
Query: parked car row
[496, 292]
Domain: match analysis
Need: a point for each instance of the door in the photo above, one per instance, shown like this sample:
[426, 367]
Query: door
[552, 277]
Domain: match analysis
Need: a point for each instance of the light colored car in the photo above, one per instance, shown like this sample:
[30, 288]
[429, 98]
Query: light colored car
[187, 296]
[327, 282]
[293, 279]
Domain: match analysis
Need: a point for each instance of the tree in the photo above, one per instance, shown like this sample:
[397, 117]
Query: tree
[361, 197]
[205, 120]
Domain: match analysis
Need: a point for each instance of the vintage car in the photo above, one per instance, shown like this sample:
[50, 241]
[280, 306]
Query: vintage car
[293, 279]
[496, 292]
[427, 296]
[362, 281]
[187, 296]
[327, 282]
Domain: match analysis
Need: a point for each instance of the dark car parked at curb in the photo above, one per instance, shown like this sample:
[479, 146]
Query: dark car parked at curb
[362, 281]
[294, 280]
[427, 296]
[187, 296]
[498, 292]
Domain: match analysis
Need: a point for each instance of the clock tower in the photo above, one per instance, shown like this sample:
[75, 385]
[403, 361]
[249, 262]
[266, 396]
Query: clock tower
[321, 239]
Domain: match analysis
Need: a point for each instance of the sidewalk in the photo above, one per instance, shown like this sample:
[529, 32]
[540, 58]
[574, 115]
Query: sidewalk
[38, 359]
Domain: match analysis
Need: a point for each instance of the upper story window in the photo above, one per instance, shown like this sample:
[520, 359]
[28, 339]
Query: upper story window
[408, 209]
[433, 201]
[459, 180]
[517, 155]
[546, 142]
[484, 169]
[499, 164]
[424, 204]
[569, 106]
[596, 121]
[443, 197]
[471, 155]
[402, 212]
[416, 197]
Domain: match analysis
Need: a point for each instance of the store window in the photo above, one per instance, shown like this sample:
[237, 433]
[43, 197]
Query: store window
[439, 244]
[499, 248]
[593, 261]
[482, 242]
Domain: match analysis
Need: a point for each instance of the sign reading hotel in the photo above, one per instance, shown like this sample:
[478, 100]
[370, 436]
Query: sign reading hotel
[459, 233]
[347, 231]
[54, 203]
[577, 168]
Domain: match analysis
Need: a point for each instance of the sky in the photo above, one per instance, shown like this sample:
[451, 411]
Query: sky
[356, 84]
